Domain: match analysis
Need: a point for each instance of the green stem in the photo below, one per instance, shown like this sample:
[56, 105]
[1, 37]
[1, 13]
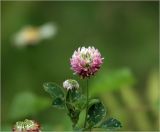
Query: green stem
[87, 106]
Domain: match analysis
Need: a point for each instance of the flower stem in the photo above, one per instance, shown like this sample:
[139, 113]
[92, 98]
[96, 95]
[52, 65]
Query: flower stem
[87, 105]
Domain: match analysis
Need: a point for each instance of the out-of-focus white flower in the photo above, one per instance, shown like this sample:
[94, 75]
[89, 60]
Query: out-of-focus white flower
[70, 84]
[30, 35]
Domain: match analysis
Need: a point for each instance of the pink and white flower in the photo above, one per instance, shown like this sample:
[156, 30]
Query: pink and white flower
[26, 126]
[86, 61]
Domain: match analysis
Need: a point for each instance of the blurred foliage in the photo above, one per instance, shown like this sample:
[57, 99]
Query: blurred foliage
[126, 33]
[152, 90]
[27, 104]
[112, 80]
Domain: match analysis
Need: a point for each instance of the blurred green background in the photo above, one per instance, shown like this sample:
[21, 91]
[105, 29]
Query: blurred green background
[126, 34]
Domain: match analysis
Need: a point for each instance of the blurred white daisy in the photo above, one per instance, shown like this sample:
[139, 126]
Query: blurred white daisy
[31, 35]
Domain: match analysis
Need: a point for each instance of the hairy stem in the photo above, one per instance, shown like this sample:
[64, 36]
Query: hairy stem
[87, 106]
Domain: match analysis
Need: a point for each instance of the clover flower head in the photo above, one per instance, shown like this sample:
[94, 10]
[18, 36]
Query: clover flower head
[86, 61]
[26, 126]
[70, 84]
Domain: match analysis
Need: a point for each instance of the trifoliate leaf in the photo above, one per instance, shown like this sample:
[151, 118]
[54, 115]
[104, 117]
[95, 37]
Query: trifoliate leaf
[53, 89]
[111, 123]
[96, 112]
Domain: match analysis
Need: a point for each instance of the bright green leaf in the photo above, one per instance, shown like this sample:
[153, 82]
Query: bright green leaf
[96, 112]
[111, 124]
[53, 89]
[93, 101]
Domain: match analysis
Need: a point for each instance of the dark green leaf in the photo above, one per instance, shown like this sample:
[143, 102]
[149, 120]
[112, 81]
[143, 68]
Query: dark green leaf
[58, 103]
[81, 102]
[111, 124]
[76, 98]
[75, 102]
[53, 89]
[73, 113]
[96, 112]
[72, 95]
